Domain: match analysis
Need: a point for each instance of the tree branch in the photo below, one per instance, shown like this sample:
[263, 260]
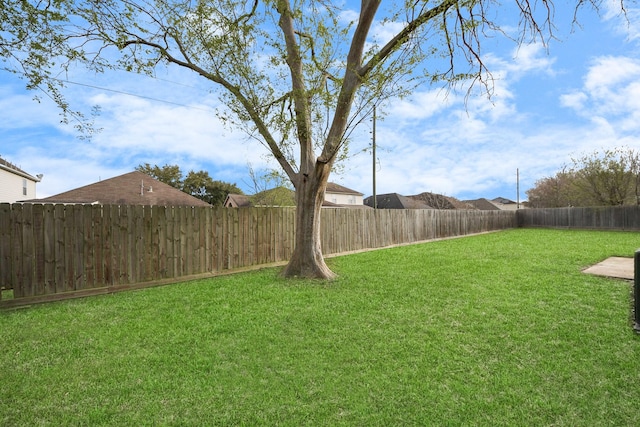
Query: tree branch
[314, 59]
[245, 17]
[301, 103]
[232, 89]
[401, 38]
[351, 82]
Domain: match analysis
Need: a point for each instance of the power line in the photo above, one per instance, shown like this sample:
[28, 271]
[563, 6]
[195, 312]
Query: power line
[208, 110]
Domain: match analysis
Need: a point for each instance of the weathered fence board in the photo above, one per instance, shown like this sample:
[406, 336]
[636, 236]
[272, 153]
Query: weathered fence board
[72, 249]
[5, 246]
[16, 254]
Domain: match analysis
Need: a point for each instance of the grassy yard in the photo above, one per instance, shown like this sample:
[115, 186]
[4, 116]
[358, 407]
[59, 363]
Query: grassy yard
[490, 330]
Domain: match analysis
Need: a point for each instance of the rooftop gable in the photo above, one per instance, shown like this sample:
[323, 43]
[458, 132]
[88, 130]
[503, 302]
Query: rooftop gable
[332, 187]
[237, 201]
[273, 197]
[396, 201]
[133, 188]
[10, 167]
[438, 201]
[483, 204]
[503, 201]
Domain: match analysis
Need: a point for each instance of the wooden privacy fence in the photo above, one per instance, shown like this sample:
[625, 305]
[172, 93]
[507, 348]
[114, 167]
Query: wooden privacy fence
[48, 249]
[599, 218]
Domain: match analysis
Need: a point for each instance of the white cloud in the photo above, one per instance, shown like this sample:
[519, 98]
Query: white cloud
[607, 72]
[627, 22]
[427, 142]
[610, 94]
[349, 16]
[383, 32]
[17, 111]
[135, 127]
[504, 73]
[422, 104]
[134, 131]
[574, 100]
[471, 149]
[525, 59]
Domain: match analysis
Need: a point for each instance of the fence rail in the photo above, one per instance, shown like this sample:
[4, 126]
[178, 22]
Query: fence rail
[48, 249]
[600, 218]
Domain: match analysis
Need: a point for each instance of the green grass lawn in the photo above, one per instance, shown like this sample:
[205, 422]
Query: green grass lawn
[489, 330]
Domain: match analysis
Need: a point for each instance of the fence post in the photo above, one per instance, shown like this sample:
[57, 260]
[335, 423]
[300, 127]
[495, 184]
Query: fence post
[636, 291]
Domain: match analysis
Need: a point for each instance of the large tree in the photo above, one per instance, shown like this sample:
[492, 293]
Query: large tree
[556, 191]
[609, 177]
[296, 75]
[201, 185]
[169, 174]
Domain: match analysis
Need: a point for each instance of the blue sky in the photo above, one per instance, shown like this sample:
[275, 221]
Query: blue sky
[580, 95]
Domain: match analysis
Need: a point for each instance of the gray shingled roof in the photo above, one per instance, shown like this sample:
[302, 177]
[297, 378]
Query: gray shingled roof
[133, 188]
[483, 204]
[396, 201]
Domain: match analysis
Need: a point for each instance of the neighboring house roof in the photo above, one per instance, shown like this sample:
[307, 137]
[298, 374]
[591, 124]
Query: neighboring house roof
[503, 201]
[506, 204]
[10, 167]
[396, 201]
[282, 196]
[332, 187]
[278, 196]
[133, 188]
[428, 200]
[237, 201]
[483, 204]
[338, 196]
[438, 201]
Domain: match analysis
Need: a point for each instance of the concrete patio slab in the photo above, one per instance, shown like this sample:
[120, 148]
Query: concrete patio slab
[616, 267]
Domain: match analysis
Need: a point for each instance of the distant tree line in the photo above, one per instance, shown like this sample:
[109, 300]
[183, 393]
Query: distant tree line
[198, 184]
[607, 178]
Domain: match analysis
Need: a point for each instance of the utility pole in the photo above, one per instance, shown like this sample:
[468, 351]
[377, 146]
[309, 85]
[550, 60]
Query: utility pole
[375, 199]
[518, 188]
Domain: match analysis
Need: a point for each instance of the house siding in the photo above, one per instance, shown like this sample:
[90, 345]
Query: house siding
[12, 187]
[343, 199]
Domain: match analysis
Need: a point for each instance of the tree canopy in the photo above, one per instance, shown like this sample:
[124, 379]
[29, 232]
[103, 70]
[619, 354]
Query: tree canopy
[601, 178]
[296, 76]
[198, 184]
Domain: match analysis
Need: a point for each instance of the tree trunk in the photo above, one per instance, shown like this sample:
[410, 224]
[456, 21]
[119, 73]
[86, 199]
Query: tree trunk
[307, 260]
